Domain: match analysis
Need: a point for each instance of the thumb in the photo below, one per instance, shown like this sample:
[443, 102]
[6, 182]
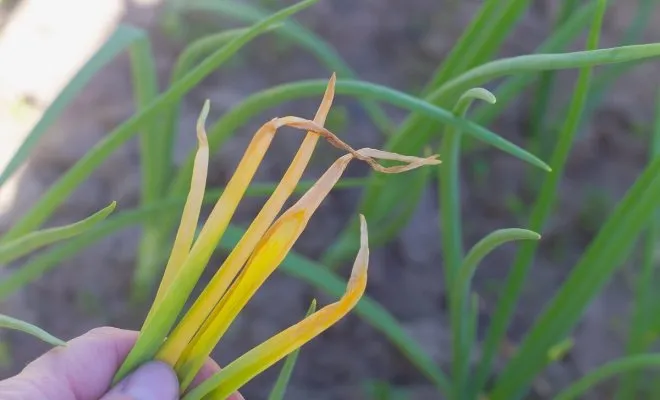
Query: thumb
[152, 381]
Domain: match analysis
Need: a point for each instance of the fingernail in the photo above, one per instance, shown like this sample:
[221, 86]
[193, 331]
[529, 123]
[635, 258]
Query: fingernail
[152, 381]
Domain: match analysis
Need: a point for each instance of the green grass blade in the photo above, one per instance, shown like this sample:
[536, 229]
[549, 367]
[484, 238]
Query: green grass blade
[10, 251]
[540, 212]
[277, 393]
[491, 39]
[448, 174]
[462, 319]
[481, 39]
[597, 265]
[145, 90]
[154, 162]
[294, 265]
[544, 90]
[120, 39]
[472, 325]
[449, 65]
[201, 48]
[16, 324]
[542, 62]
[192, 54]
[95, 157]
[452, 239]
[582, 386]
[153, 234]
[605, 79]
[417, 130]
[643, 311]
[479, 251]
[514, 85]
[295, 32]
[41, 264]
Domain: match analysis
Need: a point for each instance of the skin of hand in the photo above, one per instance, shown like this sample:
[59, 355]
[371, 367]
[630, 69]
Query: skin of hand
[83, 370]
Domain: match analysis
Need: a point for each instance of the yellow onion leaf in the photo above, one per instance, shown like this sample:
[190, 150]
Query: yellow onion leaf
[269, 253]
[163, 315]
[246, 367]
[190, 217]
[217, 287]
[263, 263]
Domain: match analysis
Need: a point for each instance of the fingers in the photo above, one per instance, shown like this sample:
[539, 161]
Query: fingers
[81, 371]
[152, 381]
[84, 370]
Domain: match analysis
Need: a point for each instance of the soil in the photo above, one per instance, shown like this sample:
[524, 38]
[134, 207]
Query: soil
[394, 43]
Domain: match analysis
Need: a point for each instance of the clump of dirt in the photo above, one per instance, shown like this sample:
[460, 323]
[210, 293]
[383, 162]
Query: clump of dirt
[394, 43]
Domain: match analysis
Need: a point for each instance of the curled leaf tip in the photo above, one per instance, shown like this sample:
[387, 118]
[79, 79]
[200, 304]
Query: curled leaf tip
[481, 94]
[410, 162]
[364, 234]
[362, 260]
[201, 121]
[366, 154]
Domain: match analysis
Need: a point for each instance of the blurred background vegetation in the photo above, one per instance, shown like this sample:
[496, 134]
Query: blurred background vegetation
[404, 45]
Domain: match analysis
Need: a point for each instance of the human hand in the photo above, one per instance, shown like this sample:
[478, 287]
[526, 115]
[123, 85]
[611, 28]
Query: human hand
[84, 369]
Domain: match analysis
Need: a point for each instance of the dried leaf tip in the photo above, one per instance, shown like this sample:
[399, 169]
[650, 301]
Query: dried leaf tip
[369, 155]
[332, 82]
[201, 121]
[359, 271]
[326, 102]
